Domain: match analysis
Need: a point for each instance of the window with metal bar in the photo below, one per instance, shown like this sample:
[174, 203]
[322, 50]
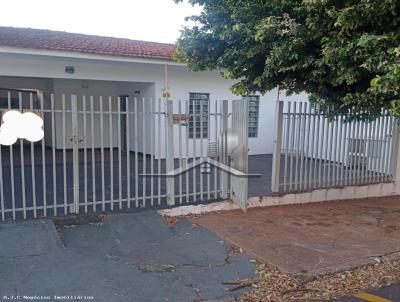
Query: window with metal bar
[254, 109]
[198, 109]
[15, 98]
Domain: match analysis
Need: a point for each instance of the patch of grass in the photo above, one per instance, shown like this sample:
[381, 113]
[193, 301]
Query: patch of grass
[390, 228]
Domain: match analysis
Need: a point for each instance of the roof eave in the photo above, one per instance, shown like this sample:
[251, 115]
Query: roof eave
[85, 55]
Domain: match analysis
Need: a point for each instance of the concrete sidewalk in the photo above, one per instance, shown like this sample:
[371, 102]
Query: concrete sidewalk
[128, 257]
[313, 238]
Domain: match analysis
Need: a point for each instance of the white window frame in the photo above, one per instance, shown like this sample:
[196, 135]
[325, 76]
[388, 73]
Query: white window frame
[254, 115]
[200, 102]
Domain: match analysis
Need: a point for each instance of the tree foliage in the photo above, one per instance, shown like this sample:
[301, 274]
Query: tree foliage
[344, 53]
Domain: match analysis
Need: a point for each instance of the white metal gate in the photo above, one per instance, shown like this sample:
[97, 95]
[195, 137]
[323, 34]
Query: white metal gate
[113, 153]
[315, 151]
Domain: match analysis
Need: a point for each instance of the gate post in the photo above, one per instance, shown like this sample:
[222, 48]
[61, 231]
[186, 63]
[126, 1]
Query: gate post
[276, 159]
[170, 153]
[396, 156]
[223, 156]
[75, 151]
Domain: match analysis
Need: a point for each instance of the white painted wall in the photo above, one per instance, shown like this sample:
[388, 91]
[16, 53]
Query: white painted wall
[126, 77]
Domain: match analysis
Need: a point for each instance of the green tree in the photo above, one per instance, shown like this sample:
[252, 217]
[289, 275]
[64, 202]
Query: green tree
[344, 53]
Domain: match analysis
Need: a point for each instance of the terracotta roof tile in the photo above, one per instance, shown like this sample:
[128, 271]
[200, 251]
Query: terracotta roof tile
[64, 41]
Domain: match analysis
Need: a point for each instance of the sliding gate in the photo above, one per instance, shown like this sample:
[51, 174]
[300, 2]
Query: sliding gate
[114, 153]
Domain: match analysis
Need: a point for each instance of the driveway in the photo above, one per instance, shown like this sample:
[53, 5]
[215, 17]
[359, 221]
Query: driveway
[124, 257]
[314, 238]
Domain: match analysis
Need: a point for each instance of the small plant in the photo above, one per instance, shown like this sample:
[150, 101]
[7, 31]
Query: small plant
[390, 228]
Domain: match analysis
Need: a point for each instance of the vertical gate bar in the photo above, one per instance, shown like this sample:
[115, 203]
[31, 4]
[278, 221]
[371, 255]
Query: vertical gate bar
[119, 153]
[303, 141]
[128, 153]
[223, 151]
[343, 149]
[307, 172]
[33, 167]
[375, 148]
[357, 153]
[166, 142]
[394, 149]
[349, 143]
[358, 148]
[360, 153]
[380, 135]
[12, 166]
[383, 140]
[311, 154]
[21, 143]
[330, 160]
[370, 151]
[180, 150]
[296, 137]
[276, 161]
[393, 138]
[364, 148]
[379, 143]
[85, 163]
[339, 126]
[53, 145]
[208, 143]
[194, 138]
[93, 154]
[135, 146]
[217, 148]
[322, 160]
[347, 147]
[170, 153]
[144, 128]
[187, 149]
[75, 151]
[298, 146]
[3, 216]
[353, 148]
[11, 151]
[292, 145]
[64, 156]
[317, 159]
[110, 125]
[44, 185]
[159, 152]
[287, 147]
[201, 175]
[300, 150]
[245, 116]
[325, 152]
[103, 182]
[321, 167]
[387, 146]
[152, 121]
[368, 146]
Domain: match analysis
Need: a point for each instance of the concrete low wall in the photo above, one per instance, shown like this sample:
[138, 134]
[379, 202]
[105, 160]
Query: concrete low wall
[350, 192]
[344, 193]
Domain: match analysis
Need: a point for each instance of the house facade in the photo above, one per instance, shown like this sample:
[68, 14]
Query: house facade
[64, 64]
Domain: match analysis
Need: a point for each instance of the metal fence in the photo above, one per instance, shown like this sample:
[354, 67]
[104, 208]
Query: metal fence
[107, 153]
[315, 151]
